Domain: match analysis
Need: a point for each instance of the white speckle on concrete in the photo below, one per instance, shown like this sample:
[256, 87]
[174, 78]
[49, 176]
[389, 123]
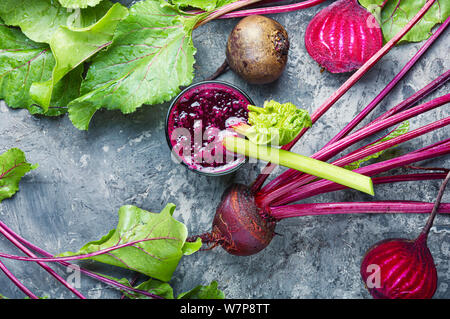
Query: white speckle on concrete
[84, 160]
[140, 138]
[3, 107]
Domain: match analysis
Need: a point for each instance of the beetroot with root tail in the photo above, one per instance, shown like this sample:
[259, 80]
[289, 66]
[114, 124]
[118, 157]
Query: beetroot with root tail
[401, 268]
[343, 36]
[238, 225]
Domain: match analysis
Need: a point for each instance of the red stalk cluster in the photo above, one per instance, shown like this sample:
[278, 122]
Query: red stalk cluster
[347, 85]
[296, 189]
[275, 201]
[230, 12]
[292, 179]
[25, 245]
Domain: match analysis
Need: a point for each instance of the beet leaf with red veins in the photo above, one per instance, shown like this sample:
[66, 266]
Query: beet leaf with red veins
[393, 15]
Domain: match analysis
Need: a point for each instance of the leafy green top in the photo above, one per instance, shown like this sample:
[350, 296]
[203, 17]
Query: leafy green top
[206, 5]
[23, 62]
[152, 55]
[393, 15]
[157, 256]
[13, 166]
[72, 46]
[40, 19]
[73, 37]
[163, 289]
[275, 123]
[156, 242]
[74, 4]
[149, 55]
[203, 292]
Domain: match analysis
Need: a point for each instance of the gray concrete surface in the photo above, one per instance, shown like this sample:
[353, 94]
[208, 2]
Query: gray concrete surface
[84, 177]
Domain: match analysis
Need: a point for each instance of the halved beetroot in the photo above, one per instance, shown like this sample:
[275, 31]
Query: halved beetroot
[343, 36]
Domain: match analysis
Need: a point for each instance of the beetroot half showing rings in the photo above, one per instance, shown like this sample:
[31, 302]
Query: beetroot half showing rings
[343, 36]
[401, 268]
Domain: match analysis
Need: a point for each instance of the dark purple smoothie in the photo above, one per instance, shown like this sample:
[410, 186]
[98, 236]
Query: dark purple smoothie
[199, 119]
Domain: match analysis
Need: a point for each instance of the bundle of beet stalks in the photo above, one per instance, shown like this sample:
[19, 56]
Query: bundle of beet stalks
[245, 219]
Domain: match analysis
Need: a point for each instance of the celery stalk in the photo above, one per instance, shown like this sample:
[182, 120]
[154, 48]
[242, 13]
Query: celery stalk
[302, 163]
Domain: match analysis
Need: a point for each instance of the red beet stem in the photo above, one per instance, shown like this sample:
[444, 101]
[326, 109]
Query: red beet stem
[413, 99]
[17, 282]
[291, 176]
[381, 207]
[344, 88]
[273, 10]
[286, 190]
[371, 106]
[84, 256]
[323, 186]
[332, 150]
[275, 198]
[44, 266]
[225, 9]
[408, 178]
[363, 153]
[91, 274]
[437, 206]
[432, 146]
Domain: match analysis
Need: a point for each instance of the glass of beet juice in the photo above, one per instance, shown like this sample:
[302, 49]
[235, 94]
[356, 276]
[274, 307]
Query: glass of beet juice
[198, 119]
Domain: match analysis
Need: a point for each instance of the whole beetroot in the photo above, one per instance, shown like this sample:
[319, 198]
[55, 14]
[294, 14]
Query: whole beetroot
[238, 225]
[257, 49]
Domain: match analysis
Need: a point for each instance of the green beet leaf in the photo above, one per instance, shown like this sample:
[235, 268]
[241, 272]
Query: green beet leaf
[40, 19]
[157, 257]
[400, 130]
[13, 166]
[206, 5]
[275, 123]
[73, 35]
[164, 290]
[66, 90]
[203, 292]
[74, 4]
[153, 286]
[395, 14]
[152, 55]
[72, 46]
[23, 62]
[221, 3]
